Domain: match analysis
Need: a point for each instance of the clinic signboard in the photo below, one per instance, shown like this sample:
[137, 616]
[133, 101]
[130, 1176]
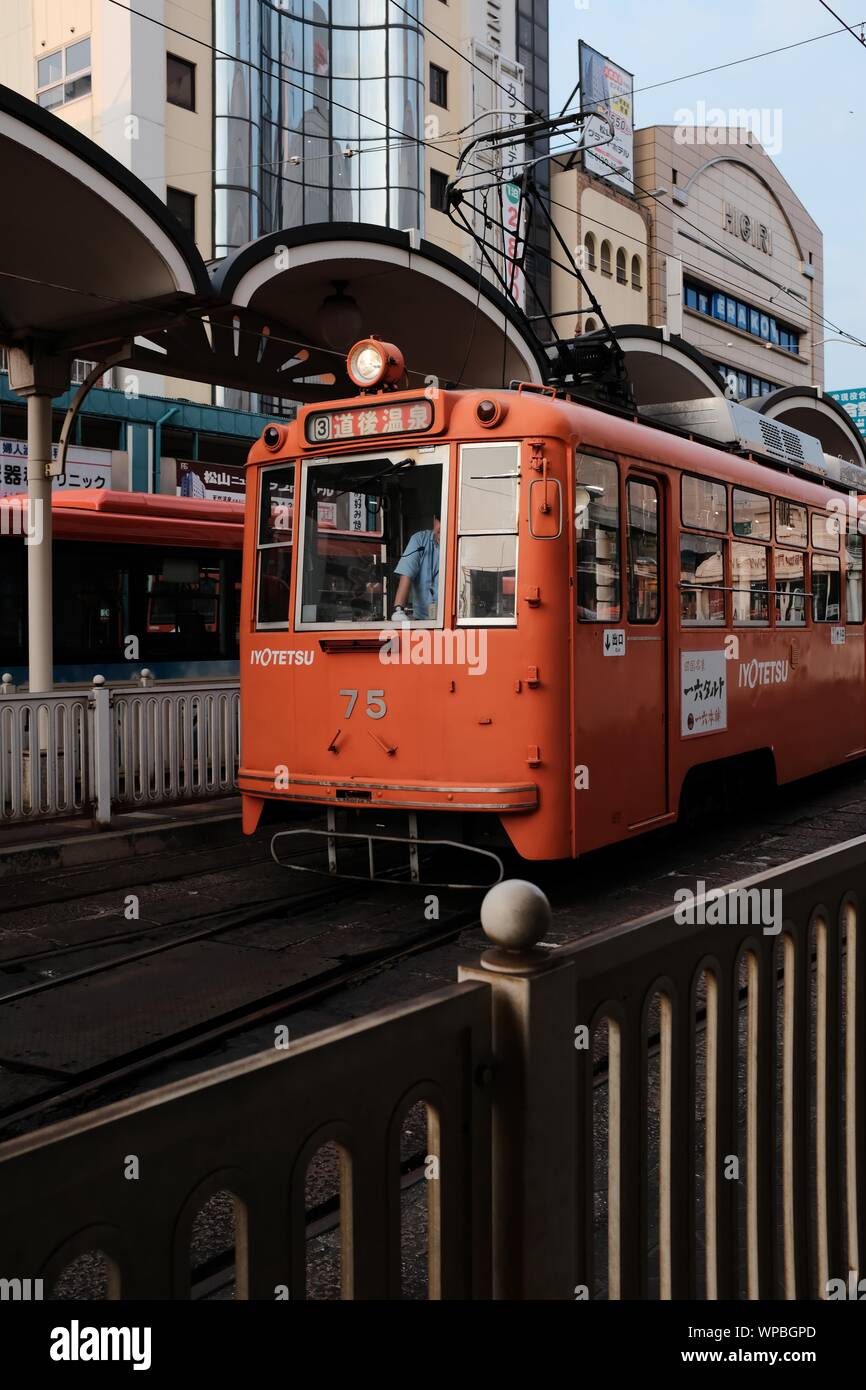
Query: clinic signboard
[87, 470]
[608, 89]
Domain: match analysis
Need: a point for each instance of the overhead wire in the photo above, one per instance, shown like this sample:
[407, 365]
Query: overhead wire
[419, 141]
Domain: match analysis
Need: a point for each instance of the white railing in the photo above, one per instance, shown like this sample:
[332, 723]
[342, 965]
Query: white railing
[172, 743]
[89, 751]
[44, 747]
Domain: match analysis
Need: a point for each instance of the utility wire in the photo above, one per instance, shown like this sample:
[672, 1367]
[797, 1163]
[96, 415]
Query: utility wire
[751, 58]
[421, 142]
[859, 37]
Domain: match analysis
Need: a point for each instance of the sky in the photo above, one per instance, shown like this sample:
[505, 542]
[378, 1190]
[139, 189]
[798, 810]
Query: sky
[814, 96]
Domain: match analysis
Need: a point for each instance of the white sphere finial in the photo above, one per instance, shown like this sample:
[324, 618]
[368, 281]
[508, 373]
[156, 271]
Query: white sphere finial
[515, 916]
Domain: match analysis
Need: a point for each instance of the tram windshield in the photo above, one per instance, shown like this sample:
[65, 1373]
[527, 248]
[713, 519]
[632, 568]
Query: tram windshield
[370, 548]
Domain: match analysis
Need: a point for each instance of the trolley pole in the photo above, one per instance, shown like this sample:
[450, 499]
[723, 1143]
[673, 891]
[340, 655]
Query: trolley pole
[39, 379]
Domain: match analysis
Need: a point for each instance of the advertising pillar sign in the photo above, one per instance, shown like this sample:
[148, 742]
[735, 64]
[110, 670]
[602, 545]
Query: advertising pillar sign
[607, 88]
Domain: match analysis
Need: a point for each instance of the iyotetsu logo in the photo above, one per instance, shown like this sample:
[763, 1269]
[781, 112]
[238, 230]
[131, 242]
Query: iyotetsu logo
[281, 656]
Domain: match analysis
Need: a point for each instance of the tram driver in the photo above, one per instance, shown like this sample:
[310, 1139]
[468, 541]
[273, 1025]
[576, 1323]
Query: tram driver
[418, 568]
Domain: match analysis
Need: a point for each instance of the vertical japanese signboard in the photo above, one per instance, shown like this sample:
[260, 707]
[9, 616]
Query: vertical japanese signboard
[514, 222]
[497, 105]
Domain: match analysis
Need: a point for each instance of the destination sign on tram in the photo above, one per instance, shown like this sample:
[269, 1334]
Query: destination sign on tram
[368, 421]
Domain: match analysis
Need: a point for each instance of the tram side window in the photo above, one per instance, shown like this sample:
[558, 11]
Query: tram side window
[749, 583]
[704, 504]
[487, 542]
[751, 514]
[825, 588]
[183, 602]
[274, 560]
[596, 528]
[790, 588]
[825, 532]
[791, 528]
[854, 578]
[642, 514]
[702, 578]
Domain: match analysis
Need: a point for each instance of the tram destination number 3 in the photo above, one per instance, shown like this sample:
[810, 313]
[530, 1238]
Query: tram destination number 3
[376, 706]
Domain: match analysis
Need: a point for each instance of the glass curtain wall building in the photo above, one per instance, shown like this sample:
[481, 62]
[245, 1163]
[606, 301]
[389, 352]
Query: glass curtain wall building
[318, 115]
[532, 53]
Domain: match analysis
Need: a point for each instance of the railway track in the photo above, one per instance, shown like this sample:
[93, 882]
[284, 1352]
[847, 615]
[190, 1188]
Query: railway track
[69, 1089]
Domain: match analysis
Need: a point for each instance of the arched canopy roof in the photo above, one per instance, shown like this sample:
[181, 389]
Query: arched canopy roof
[810, 410]
[663, 367]
[406, 291]
[88, 254]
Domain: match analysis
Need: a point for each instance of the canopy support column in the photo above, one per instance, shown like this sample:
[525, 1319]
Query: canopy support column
[39, 379]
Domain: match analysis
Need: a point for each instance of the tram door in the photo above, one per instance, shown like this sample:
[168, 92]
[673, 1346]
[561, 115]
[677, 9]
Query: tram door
[620, 659]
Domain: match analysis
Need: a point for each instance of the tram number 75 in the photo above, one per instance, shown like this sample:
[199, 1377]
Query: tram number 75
[376, 707]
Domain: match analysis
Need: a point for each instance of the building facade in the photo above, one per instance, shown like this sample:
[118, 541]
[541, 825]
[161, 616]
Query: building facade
[609, 232]
[713, 244]
[736, 262]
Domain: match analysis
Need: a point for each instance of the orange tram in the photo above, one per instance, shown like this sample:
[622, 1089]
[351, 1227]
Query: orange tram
[469, 606]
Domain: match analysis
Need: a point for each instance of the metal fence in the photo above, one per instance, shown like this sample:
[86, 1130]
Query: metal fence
[251, 1129]
[44, 755]
[88, 752]
[672, 1108]
[172, 743]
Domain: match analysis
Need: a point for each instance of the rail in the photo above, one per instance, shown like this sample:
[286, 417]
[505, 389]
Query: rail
[671, 1108]
[110, 748]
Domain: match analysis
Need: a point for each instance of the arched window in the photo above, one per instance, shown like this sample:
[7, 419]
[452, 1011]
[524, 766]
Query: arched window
[621, 278]
[605, 258]
[635, 273]
[589, 248]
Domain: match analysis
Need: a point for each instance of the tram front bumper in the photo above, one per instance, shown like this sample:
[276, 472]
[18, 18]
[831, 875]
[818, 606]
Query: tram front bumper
[501, 799]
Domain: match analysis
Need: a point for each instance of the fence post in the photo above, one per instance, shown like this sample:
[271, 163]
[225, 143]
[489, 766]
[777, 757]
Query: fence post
[102, 751]
[534, 1098]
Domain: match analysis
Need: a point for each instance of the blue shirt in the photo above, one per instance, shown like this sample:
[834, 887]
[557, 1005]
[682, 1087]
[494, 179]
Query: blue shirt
[420, 562]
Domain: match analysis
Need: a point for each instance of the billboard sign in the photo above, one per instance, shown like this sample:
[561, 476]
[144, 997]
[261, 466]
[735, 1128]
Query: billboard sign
[210, 481]
[854, 401]
[607, 88]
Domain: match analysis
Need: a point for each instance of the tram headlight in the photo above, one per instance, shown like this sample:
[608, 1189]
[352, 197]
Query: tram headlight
[372, 363]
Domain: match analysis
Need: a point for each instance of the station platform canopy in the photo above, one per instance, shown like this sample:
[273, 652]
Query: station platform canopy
[810, 410]
[95, 266]
[90, 256]
[661, 366]
[289, 305]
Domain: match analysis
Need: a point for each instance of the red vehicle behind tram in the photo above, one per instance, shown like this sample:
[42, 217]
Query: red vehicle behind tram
[600, 607]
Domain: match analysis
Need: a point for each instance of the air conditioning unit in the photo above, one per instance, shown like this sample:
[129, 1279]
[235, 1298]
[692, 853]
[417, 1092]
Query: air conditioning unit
[726, 422]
